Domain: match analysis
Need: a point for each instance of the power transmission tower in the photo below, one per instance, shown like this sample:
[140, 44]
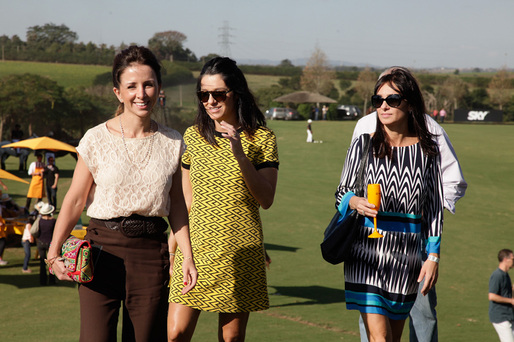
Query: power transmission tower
[225, 39]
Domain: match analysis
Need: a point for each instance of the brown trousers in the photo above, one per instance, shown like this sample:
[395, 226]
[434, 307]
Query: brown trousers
[133, 272]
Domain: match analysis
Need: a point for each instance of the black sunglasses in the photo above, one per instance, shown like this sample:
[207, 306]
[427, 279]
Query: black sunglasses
[218, 95]
[393, 100]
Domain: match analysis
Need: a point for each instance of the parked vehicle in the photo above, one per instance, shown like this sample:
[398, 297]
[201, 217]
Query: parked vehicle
[280, 113]
[347, 112]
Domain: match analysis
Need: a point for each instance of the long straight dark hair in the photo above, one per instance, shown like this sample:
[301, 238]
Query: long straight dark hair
[404, 82]
[249, 116]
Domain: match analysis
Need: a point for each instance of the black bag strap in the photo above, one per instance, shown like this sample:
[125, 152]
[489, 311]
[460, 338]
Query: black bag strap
[359, 182]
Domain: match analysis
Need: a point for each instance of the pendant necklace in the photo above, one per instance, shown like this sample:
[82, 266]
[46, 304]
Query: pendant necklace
[146, 157]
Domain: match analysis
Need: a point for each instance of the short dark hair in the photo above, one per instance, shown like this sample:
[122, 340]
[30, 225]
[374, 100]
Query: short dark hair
[504, 253]
[249, 116]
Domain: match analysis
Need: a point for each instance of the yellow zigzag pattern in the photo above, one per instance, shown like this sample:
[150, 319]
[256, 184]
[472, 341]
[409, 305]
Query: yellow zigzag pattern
[225, 226]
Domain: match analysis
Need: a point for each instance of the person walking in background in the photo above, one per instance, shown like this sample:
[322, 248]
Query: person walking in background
[230, 169]
[501, 312]
[46, 229]
[132, 164]
[383, 292]
[3, 241]
[16, 133]
[423, 318]
[36, 188]
[26, 240]
[434, 114]
[51, 174]
[442, 115]
[324, 112]
[309, 131]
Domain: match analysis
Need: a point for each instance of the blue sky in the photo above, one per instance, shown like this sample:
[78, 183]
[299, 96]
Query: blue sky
[416, 34]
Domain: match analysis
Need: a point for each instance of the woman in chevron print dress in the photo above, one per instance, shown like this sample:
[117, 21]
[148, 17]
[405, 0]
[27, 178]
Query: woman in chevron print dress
[229, 170]
[381, 279]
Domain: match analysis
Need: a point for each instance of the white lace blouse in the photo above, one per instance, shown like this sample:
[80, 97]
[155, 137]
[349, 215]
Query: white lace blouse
[134, 177]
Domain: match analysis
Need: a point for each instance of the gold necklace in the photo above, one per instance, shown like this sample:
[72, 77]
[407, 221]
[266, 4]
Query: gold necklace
[146, 158]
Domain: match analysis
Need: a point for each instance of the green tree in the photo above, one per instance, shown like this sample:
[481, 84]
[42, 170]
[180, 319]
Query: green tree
[31, 99]
[286, 63]
[477, 99]
[205, 59]
[46, 35]
[265, 96]
[81, 112]
[292, 82]
[168, 45]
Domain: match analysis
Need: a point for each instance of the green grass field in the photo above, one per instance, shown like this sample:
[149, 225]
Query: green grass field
[65, 75]
[306, 293]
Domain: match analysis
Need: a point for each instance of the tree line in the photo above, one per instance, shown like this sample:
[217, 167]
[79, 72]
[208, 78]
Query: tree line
[44, 106]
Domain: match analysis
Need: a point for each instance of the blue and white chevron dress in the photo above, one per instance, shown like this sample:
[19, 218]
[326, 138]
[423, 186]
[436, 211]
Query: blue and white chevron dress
[381, 276]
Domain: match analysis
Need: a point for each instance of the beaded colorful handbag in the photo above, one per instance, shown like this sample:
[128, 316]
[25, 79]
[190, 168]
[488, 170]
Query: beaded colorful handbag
[77, 259]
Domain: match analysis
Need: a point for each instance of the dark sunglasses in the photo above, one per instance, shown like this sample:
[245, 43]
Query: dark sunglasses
[217, 95]
[392, 100]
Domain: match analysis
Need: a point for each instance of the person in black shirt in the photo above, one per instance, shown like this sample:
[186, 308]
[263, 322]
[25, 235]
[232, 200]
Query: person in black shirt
[501, 313]
[51, 175]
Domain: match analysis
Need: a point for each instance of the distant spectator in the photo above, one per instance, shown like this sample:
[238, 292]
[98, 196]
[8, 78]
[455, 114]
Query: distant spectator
[51, 173]
[26, 240]
[501, 313]
[46, 230]
[442, 114]
[16, 133]
[162, 99]
[324, 112]
[3, 241]
[309, 131]
[36, 189]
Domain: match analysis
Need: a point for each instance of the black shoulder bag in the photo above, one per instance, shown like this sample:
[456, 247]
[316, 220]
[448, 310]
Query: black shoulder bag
[340, 232]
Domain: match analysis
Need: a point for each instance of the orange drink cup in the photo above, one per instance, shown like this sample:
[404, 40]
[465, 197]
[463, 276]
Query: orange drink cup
[374, 198]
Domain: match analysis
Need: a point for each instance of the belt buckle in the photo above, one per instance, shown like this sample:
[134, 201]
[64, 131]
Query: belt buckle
[128, 222]
[112, 225]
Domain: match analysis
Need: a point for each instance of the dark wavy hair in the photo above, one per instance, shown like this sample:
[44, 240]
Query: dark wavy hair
[404, 83]
[249, 116]
[133, 54]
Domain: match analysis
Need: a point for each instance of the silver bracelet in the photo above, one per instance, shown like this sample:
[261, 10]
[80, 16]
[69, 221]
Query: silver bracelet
[433, 258]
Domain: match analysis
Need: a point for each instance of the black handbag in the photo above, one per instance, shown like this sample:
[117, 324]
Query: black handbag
[341, 232]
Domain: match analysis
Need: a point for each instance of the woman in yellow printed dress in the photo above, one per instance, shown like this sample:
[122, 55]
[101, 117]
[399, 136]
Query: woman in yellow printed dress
[229, 170]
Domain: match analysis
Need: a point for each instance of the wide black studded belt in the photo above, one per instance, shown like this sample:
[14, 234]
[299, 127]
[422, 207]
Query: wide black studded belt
[135, 225]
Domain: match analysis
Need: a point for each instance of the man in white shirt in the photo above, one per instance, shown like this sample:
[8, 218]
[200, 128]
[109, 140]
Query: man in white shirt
[423, 318]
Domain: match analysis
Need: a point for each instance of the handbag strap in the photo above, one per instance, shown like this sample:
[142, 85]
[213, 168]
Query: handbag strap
[359, 182]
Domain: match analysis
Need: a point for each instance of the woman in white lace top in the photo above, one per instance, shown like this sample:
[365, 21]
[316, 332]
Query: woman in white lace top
[128, 172]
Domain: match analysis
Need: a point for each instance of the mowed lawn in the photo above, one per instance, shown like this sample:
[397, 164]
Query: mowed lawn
[306, 293]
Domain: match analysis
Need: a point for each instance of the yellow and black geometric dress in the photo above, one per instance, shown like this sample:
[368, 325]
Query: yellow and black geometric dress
[225, 226]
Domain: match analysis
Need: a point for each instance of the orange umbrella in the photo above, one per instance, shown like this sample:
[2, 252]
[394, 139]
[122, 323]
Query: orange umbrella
[42, 143]
[6, 175]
